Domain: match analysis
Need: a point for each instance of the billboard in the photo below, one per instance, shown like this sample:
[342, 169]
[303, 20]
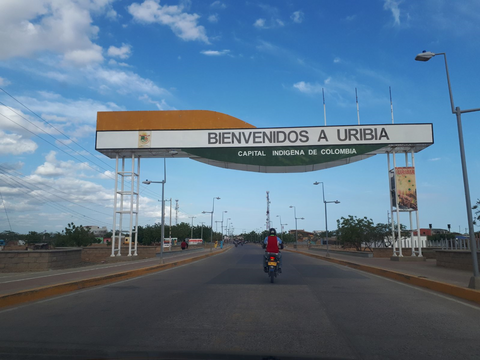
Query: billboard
[221, 140]
[405, 189]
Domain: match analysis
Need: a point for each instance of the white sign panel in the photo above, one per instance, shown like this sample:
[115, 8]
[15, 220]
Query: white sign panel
[271, 137]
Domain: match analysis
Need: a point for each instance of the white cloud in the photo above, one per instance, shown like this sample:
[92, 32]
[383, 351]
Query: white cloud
[107, 175]
[125, 82]
[65, 27]
[123, 52]
[116, 63]
[111, 14]
[54, 168]
[4, 82]
[336, 60]
[183, 25]
[218, 4]
[260, 23]
[161, 105]
[308, 88]
[17, 122]
[392, 5]
[213, 18]
[297, 16]
[85, 57]
[214, 52]
[14, 144]
[66, 111]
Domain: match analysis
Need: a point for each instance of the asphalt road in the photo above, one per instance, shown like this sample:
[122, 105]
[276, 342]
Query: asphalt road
[224, 306]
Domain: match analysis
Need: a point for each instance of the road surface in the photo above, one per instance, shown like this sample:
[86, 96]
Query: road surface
[225, 306]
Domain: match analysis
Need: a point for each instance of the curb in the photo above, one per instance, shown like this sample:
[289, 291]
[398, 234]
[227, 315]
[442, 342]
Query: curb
[445, 288]
[59, 289]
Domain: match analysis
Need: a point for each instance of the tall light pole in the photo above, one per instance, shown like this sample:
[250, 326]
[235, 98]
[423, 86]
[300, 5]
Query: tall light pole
[211, 220]
[170, 226]
[475, 280]
[296, 227]
[226, 226]
[281, 227]
[201, 231]
[326, 218]
[216, 224]
[191, 229]
[223, 212]
[148, 182]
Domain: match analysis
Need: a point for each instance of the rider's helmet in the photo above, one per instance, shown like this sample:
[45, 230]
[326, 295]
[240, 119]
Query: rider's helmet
[272, 232]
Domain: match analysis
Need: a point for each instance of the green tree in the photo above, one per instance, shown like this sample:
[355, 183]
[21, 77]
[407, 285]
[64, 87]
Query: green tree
[75, 236]
[354, 231]
[34, 237]
[8, 235]
[476, 207]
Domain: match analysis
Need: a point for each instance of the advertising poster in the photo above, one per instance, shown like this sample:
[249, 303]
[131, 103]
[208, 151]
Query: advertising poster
[406, 188]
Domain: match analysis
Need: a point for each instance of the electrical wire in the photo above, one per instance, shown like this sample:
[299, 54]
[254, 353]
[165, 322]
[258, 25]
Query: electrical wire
[145, 190]
[49, 124]
[5, 172]
[6, 213]
[31, 192]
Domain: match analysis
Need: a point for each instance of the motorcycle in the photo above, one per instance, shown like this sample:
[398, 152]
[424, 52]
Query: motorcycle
[272, 266]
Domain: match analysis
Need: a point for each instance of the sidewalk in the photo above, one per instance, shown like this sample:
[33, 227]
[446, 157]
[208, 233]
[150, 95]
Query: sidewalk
[17, 282]
[418, 273]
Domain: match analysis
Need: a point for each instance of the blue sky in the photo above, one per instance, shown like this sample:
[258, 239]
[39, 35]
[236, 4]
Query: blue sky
[264, 62]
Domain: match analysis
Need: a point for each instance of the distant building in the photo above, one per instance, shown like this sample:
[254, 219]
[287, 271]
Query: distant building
[430, 232]
[303, 235]
[96, 230]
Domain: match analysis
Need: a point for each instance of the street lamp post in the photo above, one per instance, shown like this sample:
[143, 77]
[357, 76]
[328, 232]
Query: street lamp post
[296, 227]
[201, 231]
[226, 226]
[148, 182]
[475, 280]
[223, 212]
[326, 218]
[281, 227]
[211, 220]
[191, 229]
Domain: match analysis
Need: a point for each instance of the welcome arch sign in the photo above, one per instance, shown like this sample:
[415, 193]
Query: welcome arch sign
[222, 140]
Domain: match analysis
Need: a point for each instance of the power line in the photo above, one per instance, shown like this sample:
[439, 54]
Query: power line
[31, 192]
[55, 146]
[6, 214]
[46, 122]
[6, 172]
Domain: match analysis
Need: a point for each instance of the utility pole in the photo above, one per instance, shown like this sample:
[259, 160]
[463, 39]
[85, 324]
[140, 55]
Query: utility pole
[176, 212]
[268, 211]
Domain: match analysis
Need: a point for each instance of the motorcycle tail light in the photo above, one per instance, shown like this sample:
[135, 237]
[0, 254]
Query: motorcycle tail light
[272, 258]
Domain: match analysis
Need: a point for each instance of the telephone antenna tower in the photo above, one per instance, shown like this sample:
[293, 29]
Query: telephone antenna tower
[176, 212]
[268, 210]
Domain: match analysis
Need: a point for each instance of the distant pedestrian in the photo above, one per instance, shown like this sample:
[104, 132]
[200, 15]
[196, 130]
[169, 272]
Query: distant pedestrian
[184, 245]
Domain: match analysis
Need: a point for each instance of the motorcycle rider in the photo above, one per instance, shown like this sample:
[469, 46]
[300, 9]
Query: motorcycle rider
[272, 244]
